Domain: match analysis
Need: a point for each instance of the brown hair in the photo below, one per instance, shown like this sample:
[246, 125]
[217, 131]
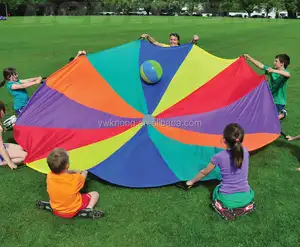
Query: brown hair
[284, 58]
[234, 137]
[175, 35]
[7, 73]
[58, 160]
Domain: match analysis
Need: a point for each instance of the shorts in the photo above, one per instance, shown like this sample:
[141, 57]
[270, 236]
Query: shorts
[85, 202]
[18, 111]
[234, 200]
[280, 108]
[1, 158]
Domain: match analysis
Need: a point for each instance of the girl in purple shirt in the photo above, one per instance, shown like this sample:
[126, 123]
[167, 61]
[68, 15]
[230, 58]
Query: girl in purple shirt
[233, 196]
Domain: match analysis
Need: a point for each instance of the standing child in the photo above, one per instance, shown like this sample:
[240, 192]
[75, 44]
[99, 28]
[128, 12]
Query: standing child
[233, 197]
[278, 77]
[63, 187]
[17, 88]
[10, 154]
[174, 40]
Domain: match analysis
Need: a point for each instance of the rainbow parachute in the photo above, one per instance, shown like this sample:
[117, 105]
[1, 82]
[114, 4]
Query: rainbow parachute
[137, 135]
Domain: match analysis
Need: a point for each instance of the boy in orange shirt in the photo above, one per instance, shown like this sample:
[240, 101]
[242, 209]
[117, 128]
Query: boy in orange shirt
[63, 187]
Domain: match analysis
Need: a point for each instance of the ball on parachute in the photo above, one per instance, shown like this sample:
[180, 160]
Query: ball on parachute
[151, 71]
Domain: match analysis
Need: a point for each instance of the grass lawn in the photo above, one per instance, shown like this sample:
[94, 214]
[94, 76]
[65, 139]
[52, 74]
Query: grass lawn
[163, 216]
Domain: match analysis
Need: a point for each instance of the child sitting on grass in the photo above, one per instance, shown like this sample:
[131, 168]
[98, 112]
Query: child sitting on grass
[63, 186]
[278, 77]
[17, 88]
[10, 154]
[233, 197]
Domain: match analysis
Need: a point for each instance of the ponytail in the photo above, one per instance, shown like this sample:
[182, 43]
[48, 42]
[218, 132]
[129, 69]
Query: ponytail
[234, 137]
[237, 154]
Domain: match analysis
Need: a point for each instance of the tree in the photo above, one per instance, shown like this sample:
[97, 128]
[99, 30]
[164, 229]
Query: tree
[13, 4]
[226, 6]
[192, 5]
[268, 5]
[146, 4]
[249, 5]
[174, 6]
[292, 6]
[157, 6]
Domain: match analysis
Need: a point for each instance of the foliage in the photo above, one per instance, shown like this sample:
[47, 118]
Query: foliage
[155, 7]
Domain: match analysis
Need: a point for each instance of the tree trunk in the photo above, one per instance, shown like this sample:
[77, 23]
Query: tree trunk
[292, 14]
[147, 9]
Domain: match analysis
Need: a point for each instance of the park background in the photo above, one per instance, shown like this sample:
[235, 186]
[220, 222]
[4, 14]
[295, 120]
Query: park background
[40, 43]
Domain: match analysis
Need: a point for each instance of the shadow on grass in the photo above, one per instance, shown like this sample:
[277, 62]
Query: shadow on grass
[257, 151]
[294, 149]
[210, 185]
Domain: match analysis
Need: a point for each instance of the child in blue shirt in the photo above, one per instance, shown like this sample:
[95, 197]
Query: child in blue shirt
[17, 88]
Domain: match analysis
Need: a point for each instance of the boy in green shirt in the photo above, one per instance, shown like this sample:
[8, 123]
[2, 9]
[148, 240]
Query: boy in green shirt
[278, 77]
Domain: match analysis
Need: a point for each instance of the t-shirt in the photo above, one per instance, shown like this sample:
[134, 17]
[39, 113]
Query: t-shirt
[20, 96]
[63, 190]
[233, 179]
[278, 84]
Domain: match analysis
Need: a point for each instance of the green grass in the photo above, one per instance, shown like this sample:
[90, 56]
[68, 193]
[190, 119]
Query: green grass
[162, 216]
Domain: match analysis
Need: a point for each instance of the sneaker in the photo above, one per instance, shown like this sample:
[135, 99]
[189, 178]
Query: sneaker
[44, 205]
[284, 112]
[91, 213]
[245, 210]
[227, 214]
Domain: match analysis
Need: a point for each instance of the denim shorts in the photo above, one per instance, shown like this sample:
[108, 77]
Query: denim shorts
[1, 158]
[280, 108]
[18, 112]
